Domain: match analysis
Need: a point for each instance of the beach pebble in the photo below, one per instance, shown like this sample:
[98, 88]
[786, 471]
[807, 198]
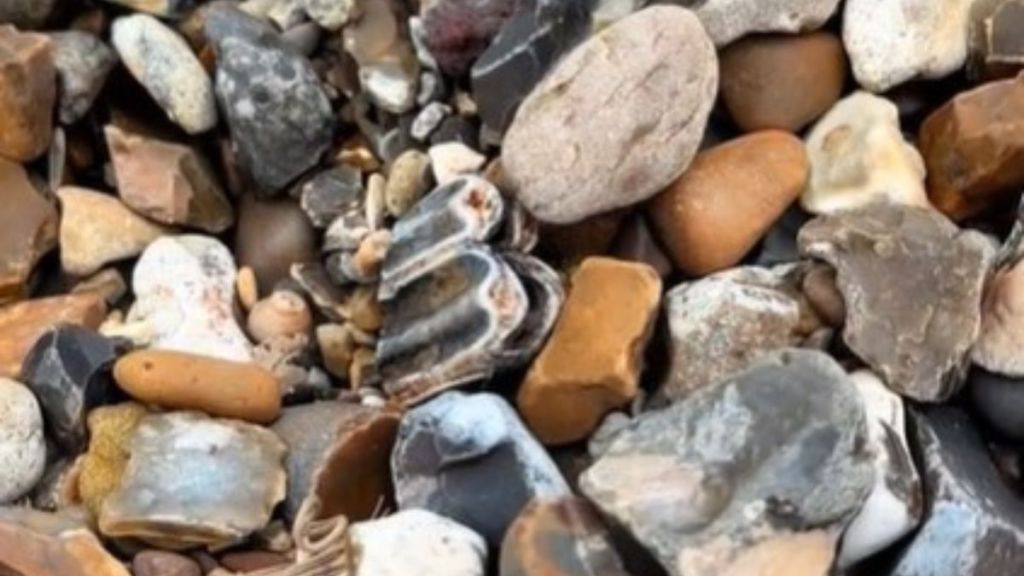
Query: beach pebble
[28, 93]
[22, 445]
[83, 62]
[28, 230]
[417, 542]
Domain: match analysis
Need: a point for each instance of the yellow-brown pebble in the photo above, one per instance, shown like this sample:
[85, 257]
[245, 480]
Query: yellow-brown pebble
[111, 429]
[182, 381]
[591, 364]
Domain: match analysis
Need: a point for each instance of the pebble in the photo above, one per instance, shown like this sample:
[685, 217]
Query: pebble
[337, 346]
[380, 44]
[167, 182]
[83, 62]
[408, 180]
[26, 14]
[339, 453]
[252, 561]
[727, 200]
[184, 294]
[719, 325]
[68, 370]
[22, 444]
[892, 41]
[428, 120]
[28, 93]
[182, 381]
[110, 434]
[194, 480]
[998, 346]
[895, 505]
[456, 32]
[282, 314]
[43, 544]
[97, 229]
[858, 156]
[108, 283]
[451, 160]
[729, 20]
[563, 537]
[23, 323]
[331, 194]
[972, 147]
[247, 288]
[591, 363]
[160, 563]
[973, 523]
[451, 452]
[995, 48]
[533, 38]
[28, 230]
[782, 82]
[271, 237]
[331, 14]
[998, 399]
[161, 60]
[417, 542]
[785, 439]
[906, 267]
[279, 116]
[820, 290]
[581, 145]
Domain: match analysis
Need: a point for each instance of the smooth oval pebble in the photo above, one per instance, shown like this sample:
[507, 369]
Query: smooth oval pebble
[22, 447]
[182, 381]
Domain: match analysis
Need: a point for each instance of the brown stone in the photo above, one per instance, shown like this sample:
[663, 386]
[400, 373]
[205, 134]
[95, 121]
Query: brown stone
[569, 244]
[28, 93]
[271, 237]
[819, 287]
[22, 323]
[183, 381]
[559, 538]
[974, 148]
[36, 543]
[999, 345]
[160, 563]
[168, 182]
[782, 82]
[731, 195]
[101, 468]
[252, 561]
[28, 229]
[591, 364]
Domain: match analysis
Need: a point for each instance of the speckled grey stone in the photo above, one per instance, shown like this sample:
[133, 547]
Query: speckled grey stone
[22, 446]
[728, 20]
[83, 62]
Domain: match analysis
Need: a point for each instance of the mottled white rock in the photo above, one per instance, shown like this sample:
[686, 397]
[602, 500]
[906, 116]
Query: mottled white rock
[417, 542]
[163, 63]
[617, 120]
[728, 20]
[22, 445]
[895, 504]
[184, 289]
[330, 14]
[83, 62]
[892, 41]
[858, 156]
[453, 159]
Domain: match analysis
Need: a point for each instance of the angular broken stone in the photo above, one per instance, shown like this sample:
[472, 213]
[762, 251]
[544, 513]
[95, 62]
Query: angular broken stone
[530, 41]
[28, 92]
[912, 282]
[380, 44]
[28, 230]
[757, 475]
[68, 369]
[973, 147]
[194, 480]
[563, 537]
[454, 310]
[23, 323]
[996, 47]
[42, 544]
[97, 229]
[333, 193]
[457, 31]
[973, 523]
[895, 504]
[721, 324]
[591, 363]
[83, 62]
[583, 141]
[162, 61]
[453, 450]
[280, 119]
[184, 296]
[416, 542]
[100, 470]
[168, 182]
[341, 454]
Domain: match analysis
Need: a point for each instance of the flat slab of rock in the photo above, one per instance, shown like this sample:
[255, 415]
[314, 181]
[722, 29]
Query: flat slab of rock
[28, 230]
[974, 523]
[417, 542]
[617, 120]
[727, 20]
[23, 323]
[452, 451]
[28, 92]
[592, 360]
[719, 325]
[755, 476]
[193, 480]
[912, 283]
[83, 62]
[974, 148]
[43, 544]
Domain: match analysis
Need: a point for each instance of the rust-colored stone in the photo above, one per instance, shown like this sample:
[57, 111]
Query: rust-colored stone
[28, 92]
[730, 196]
[28, 229]
[22, 323]
[36, 543]
[592, 362]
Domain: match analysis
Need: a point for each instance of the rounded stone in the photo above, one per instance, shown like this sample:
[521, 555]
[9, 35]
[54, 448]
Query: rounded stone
[729, 20]
[617, 120]
[728, 199]
[282, 314]
[271, 237]
[160, 563]
[22, 445]
[408, 181]
[782, 82]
